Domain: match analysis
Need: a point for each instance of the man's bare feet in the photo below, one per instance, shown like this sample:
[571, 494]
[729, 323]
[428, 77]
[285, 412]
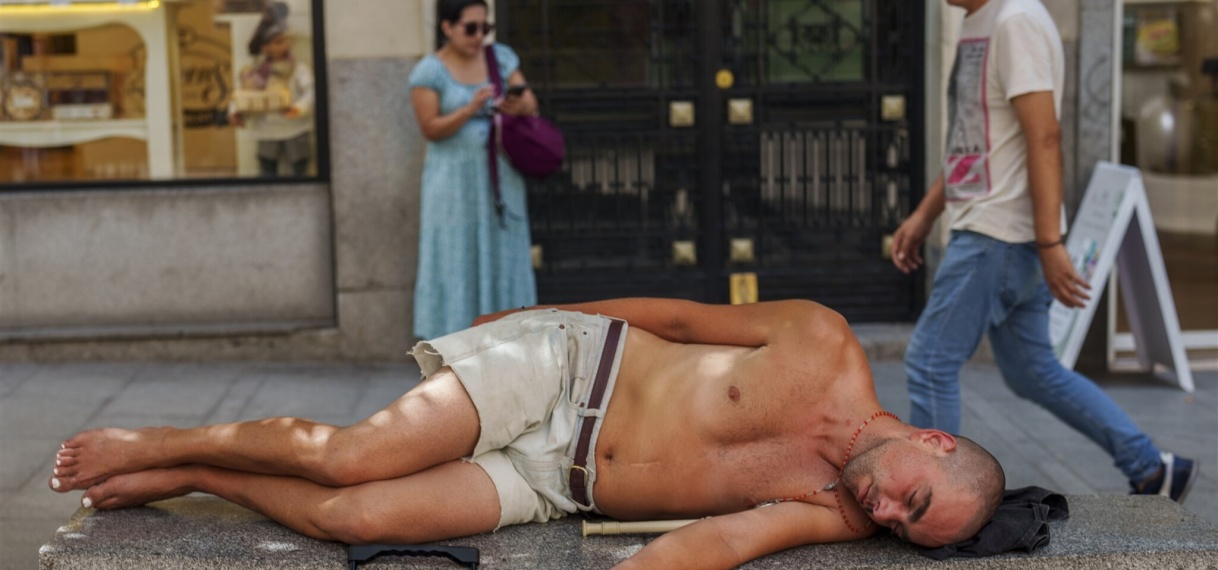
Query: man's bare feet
[135, 489]
[89, 457]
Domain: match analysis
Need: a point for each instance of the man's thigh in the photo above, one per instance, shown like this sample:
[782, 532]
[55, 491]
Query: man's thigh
[964, 294]
[432, 424]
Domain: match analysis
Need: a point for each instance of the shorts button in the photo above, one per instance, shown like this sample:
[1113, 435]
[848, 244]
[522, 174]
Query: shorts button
[562, 326]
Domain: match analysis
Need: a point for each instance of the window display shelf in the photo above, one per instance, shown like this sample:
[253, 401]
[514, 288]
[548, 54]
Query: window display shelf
[153, 21]
[42, 134]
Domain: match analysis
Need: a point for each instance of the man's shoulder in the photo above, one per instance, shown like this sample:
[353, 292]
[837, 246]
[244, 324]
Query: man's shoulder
[1014, 12]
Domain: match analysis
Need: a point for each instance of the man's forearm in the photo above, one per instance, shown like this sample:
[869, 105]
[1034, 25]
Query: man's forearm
[934, 201]
[1045, 188]
[653, 315]
[678, 320]
[660, 317]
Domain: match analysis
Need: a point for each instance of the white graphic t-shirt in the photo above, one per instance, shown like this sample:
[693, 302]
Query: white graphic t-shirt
[1007, 48]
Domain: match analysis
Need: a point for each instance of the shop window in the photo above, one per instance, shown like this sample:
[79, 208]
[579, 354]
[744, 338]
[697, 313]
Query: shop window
[1169, 128]
[95, 91]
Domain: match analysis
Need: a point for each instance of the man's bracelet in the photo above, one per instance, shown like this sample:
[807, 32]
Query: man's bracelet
[1059, 241]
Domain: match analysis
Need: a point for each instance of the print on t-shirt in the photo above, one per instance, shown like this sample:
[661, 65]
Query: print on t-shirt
[966, 169]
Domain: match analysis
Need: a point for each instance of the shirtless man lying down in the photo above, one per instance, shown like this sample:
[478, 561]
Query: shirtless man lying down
[761, 418]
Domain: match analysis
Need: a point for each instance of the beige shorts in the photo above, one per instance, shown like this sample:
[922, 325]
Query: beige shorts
[528, 375]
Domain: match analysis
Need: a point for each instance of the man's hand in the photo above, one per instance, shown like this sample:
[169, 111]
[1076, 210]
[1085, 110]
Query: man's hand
[907, 242]
[1063, 281]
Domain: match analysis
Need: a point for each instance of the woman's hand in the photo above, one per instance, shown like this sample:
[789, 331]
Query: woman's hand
[481, 96]
[515, 105]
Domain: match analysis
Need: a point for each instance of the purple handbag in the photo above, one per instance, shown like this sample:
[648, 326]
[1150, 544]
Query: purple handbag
[533, 145]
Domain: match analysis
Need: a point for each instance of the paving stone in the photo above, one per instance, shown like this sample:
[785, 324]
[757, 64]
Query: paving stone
[180, 395]
[13, 375]
[25, 531]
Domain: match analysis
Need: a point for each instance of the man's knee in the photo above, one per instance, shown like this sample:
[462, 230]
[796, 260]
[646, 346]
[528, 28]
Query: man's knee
[349, 519]
[1032, 378]
[342, 462]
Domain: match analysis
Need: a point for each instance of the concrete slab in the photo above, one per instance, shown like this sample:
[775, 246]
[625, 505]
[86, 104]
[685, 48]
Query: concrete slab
[310, 393]
[25, 531]
[200, 531]
[179, 394]
[13, 375]
[232, 407]
[89, 383]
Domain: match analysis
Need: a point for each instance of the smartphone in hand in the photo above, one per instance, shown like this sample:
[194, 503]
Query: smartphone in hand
[516, 90]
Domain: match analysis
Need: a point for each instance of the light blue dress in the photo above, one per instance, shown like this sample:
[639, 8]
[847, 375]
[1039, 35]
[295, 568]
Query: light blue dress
[470, 261]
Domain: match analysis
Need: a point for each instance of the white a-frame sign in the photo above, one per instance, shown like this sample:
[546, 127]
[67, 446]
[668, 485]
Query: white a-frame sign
[1113, 226]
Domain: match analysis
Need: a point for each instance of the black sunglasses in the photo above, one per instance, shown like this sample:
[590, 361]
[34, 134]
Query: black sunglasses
[472, 28]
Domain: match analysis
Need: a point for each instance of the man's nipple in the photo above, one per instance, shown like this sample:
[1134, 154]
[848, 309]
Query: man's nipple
[733, 393]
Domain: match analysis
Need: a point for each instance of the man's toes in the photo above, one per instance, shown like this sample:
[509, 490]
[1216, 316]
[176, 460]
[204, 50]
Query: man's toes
[82, 438]
[67, 472]
[60, 484]
[62, 462]
[112, 493]
[92, 497]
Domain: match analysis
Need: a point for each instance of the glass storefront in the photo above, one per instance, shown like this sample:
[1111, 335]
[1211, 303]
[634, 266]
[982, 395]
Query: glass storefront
[1169, 120]
[127, 90]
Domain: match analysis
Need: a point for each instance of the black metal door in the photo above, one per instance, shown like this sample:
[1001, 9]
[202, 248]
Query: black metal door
[708, 139]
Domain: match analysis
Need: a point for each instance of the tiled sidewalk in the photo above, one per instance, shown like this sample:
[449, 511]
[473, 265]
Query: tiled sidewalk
[42, 404]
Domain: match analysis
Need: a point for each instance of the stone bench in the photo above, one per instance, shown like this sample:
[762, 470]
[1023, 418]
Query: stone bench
[203, 532]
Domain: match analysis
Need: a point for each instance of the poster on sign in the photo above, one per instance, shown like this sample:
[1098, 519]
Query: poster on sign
[1114, 230]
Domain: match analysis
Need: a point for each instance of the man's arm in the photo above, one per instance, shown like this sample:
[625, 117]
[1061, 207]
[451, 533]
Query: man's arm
[1038, 120]
[731, 540]
[676, 320]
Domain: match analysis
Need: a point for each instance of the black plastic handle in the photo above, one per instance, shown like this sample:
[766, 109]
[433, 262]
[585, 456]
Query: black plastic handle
[460, 554]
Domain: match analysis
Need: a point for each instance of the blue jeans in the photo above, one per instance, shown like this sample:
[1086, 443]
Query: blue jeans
[987, 285]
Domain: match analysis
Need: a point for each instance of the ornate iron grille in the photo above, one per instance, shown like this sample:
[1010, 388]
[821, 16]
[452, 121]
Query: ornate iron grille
[814, 177]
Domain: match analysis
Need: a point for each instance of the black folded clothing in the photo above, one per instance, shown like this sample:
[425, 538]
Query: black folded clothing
[1021, 523]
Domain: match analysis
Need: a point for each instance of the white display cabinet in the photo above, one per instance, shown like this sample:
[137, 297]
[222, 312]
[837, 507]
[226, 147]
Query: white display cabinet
[154, 22]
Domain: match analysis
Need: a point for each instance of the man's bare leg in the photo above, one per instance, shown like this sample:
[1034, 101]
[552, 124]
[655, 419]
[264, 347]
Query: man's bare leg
[434, 423]
[449, 500]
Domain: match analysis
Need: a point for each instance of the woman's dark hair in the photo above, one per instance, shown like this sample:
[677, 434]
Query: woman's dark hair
[450, 11]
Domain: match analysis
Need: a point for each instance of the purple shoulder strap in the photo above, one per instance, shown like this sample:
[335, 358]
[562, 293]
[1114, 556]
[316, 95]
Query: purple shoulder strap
[492, 71]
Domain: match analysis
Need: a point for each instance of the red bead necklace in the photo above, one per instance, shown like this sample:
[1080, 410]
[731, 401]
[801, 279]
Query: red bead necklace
[841, 509]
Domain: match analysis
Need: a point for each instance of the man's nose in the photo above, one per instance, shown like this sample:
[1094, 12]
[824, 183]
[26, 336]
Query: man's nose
[885, 511]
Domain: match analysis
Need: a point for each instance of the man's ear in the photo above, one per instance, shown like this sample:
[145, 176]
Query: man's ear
[935, 439]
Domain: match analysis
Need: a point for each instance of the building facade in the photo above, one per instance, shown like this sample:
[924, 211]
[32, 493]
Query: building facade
[185, 255]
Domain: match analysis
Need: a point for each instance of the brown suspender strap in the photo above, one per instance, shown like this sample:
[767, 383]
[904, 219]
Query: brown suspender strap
[578, 474]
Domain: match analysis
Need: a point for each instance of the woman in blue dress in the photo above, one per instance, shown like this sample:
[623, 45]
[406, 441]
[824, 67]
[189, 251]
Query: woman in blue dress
[472, 260]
